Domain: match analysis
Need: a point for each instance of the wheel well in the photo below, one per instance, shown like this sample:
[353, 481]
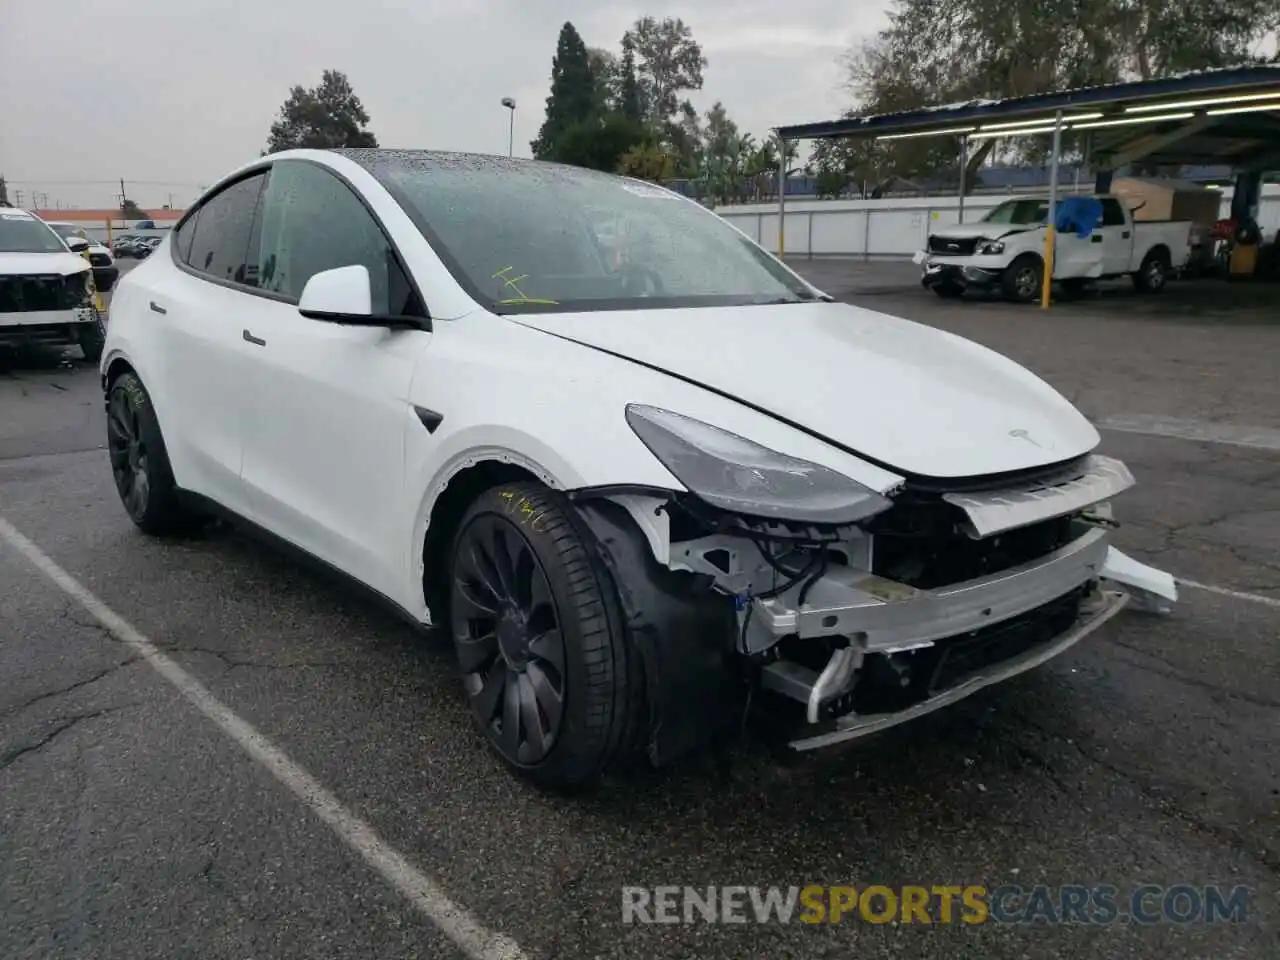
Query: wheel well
[446, 515]
[119, 366]
[1028, 255]
[1161, 251]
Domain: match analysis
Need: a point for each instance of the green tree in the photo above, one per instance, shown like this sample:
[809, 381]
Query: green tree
[326, 116]
[4, 192]
[573, 97]
[629, 102]
[600, 142]
[648, 161]
[131, 211]
[668, 62]
[606, 75]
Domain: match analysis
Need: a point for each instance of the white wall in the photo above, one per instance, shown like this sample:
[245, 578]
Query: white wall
[895, 227]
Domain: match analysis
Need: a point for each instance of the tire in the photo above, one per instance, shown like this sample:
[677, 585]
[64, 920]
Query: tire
[91, 337]
[1153, 274]
[550, 677]
[949, 291]
[1022, 279]
[140, 462]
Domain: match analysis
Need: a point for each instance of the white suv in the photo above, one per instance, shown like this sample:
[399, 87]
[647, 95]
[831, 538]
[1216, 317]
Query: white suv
[47, 293]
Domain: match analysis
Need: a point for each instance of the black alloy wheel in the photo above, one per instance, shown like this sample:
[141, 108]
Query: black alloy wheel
[127, 448]
[507, 631]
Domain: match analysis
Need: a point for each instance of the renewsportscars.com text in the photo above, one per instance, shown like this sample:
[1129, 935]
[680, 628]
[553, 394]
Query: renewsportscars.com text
[942, 904]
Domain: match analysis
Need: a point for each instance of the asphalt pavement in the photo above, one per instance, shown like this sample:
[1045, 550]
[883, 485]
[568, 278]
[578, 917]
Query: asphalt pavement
[134, 823]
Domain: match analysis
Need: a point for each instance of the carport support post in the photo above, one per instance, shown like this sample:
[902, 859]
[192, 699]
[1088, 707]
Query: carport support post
[964, 162]
[782, 191]
[1049, 239]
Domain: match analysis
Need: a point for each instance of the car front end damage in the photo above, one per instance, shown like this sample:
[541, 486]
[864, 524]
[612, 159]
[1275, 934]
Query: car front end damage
[845, 629]
[46, 308]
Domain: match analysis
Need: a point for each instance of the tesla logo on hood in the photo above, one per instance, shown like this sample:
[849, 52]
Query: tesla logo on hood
[1023, 435]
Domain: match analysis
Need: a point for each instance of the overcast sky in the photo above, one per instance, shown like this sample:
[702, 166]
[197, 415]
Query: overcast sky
[170, 94]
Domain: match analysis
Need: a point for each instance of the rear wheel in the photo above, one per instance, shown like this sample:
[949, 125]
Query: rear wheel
[545, 663]
[1021, 280]
[91, 337]
[140, 462]
[1154, 272]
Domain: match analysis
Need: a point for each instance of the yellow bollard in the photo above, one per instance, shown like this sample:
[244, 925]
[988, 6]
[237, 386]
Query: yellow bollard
[98, 302]
[1047, 284]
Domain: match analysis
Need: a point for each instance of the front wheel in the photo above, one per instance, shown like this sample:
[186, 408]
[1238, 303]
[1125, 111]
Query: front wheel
[1022, 278]
[546, 666]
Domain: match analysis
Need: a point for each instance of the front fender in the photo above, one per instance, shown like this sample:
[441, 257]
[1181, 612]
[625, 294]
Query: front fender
[432, 466]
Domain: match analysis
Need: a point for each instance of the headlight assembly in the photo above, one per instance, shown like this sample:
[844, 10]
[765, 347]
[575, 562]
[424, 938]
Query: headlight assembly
[990, 247]
[733, 473]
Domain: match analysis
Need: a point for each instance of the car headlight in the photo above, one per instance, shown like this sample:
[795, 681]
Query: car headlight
[990, 246]
[736, 474]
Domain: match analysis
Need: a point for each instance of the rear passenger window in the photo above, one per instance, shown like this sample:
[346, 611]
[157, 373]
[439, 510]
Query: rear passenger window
[1112, 213]
[312, 221]
[220, 245]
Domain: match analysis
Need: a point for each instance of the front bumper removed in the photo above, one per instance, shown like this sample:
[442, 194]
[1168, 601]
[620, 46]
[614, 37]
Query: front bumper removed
[1026, 615]
[1094, 613]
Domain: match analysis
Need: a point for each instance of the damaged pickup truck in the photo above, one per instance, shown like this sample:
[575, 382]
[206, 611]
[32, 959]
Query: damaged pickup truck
[644, 485]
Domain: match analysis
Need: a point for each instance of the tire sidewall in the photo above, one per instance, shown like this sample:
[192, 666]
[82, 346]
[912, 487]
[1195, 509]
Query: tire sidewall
[580, 744]
[1156, 262]
[159, 476]
[1015, 270]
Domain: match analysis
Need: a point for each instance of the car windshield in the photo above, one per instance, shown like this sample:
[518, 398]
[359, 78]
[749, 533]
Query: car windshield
[22, 233]
[64, 230]
[523, 236]
[1019, 212]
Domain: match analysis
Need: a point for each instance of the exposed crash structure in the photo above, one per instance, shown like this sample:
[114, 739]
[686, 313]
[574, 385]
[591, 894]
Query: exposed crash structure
[885, 609]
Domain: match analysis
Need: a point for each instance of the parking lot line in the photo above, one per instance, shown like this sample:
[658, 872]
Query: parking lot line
[468, 934]
[1233, 594]
[1204, 431]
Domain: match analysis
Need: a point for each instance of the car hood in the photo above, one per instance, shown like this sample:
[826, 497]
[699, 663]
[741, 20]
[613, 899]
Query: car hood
[906, 396]
[17, 264]
[982, 231]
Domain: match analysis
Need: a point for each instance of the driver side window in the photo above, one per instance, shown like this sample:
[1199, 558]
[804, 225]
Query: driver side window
[311, 221]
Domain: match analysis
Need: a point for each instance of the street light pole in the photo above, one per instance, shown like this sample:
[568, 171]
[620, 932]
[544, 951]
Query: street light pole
[510, 104]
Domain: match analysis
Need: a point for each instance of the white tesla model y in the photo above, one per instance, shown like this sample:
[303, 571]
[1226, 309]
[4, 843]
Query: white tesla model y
[640, 471]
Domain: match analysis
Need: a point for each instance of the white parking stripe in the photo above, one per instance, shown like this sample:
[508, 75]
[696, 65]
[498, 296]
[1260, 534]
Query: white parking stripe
[467, 933]
[1204, 431]
[1233, 594]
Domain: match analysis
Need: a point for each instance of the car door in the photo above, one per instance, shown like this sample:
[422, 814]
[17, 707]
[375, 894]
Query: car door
[1117, 238]
[329, 403]
[198, 305]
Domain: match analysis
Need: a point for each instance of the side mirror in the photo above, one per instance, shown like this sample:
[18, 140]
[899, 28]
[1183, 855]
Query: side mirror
[77, 244]
[345, 295]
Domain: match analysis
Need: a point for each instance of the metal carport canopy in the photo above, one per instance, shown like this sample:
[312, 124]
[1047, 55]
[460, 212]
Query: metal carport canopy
[1228, 115]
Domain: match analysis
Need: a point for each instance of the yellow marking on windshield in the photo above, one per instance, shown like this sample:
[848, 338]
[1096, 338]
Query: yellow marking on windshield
[521, 296]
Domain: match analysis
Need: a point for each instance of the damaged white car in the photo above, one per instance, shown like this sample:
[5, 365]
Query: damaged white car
[641, 483]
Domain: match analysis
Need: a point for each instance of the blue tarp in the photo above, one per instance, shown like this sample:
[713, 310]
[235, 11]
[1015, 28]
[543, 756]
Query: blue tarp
[1078, 215]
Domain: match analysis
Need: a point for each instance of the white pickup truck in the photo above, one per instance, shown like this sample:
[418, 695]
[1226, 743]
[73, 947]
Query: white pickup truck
[1005, 251]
